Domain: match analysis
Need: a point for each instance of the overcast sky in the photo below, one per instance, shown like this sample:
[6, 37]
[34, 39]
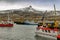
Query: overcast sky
[37, 4]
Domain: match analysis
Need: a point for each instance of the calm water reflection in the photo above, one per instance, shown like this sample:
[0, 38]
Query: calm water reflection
[20, 32]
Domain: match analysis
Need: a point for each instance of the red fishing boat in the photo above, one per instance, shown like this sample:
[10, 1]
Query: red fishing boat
[49, 30]
[6, 23]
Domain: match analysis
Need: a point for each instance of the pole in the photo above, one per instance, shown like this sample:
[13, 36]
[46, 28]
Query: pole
[55, 11]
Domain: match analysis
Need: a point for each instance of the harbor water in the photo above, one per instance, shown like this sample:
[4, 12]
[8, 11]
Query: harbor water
[20, 32]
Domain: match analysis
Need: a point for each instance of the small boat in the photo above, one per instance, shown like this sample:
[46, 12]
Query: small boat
[30, 22]
[19, 22]
[49, 30]
[26, 22]
[6, 23]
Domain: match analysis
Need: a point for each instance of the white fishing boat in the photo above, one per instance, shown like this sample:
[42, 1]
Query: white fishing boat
[30, 22]
[49, 30]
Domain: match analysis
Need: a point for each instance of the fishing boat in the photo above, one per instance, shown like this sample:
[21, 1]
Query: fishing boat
[49, 30]
[6, 23]
[27, 22]
[30, 22]
[19, 22]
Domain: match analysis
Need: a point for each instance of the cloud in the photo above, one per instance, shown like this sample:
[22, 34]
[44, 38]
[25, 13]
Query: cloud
[28, 0]
[17, 0]
[37, 4]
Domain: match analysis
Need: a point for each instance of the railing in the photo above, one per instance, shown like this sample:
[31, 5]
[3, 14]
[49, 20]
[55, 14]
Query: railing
[59, 31]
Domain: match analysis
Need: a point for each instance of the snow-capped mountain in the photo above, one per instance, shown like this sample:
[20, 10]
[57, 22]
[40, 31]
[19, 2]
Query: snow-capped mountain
[30, 9]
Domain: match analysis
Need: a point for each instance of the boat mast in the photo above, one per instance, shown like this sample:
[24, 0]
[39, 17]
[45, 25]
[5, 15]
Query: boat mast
[44, 15]
[8, 16]
[55, 11]
[44, 22]
[55, 21]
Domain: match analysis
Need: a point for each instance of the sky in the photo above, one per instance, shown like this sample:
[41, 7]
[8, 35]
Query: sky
[36, 4]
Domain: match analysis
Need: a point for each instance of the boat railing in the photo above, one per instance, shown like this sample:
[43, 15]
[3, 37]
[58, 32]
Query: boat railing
[48, 30]
[58, 31]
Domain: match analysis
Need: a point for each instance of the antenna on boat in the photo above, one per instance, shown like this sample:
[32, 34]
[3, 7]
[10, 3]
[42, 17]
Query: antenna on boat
[54, 9]
[55, 21]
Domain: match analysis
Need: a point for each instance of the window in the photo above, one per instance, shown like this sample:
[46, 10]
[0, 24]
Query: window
[49, 31]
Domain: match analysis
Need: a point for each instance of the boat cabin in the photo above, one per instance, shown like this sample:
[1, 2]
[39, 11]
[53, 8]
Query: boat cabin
[52, 25]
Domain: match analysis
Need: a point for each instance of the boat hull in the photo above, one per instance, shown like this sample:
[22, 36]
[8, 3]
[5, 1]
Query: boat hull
[47, 32]
[26, 23]
[6, 25]
[46, 35]
[19, 22]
